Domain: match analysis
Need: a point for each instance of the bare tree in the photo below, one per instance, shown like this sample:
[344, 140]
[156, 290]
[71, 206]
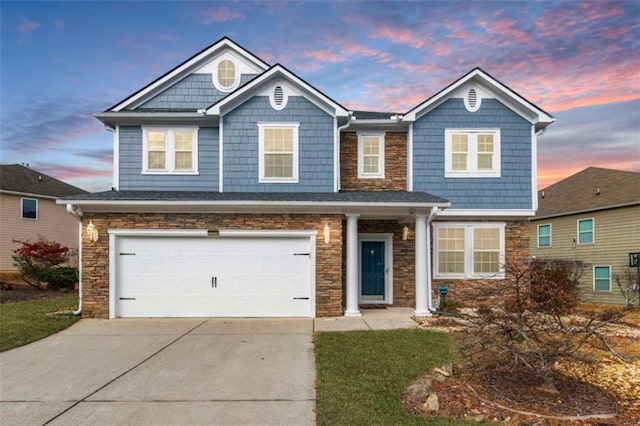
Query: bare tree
[535, 327]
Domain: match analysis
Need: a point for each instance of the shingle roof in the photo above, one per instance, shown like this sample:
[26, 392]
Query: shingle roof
[346, 196]
[18, 178]
[593, 188]
[373, 115]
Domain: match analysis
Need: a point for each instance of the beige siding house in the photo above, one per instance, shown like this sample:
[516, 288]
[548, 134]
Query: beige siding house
[28, 210]
[592, 216]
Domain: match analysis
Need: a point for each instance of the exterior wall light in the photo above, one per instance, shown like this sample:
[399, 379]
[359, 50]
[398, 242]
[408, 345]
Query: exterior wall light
[92, 232]
[327, 234]
[405, 233]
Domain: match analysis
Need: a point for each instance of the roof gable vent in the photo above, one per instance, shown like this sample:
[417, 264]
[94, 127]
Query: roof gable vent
[472, 100]
[278, 98]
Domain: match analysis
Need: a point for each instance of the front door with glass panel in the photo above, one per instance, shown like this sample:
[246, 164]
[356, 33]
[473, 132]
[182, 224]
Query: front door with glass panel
[372, 271]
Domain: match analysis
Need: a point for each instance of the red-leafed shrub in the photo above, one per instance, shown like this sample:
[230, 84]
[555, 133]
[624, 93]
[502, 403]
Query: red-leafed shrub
[37, 260]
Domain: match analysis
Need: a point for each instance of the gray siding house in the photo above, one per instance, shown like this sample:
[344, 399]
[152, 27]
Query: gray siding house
[239, 189]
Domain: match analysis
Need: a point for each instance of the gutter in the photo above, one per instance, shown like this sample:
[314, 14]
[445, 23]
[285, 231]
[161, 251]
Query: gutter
[432, 215]
[337, 154]
[77, 213]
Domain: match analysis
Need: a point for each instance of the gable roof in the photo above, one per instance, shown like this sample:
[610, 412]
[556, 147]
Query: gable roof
[246, 91]
[478, 76]
[183, 69]
[23, 180]
[593, 188]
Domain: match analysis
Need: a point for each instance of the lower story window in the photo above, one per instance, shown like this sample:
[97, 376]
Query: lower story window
[469, 250]
[602, 278]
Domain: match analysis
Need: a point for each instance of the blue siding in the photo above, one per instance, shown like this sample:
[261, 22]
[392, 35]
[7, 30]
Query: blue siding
[193, 92]
[315, 146]
[511, 191]
[131, 164]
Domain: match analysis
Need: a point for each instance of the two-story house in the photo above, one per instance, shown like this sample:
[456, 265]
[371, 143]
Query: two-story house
[28, 211]
[592, 216]
[242, 190]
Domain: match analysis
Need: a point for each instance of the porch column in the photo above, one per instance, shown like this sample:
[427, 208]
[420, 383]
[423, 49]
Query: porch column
[421, 256]
[352, 266]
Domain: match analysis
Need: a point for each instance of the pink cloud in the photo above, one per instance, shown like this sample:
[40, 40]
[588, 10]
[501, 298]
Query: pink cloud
[354, 49]
[64, 172]
[27, 26]
[221, 14]
[398, 35]
[326, 55]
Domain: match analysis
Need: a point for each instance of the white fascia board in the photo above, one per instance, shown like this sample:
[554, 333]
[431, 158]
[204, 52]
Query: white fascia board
[248, 90]
[181, 70]
[487, 212]
[30, 195]
[501, 92]
[158, 232]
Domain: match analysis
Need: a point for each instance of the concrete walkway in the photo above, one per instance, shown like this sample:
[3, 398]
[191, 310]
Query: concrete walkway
[173, 371]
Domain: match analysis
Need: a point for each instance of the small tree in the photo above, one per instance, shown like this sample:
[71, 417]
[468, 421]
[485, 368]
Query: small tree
[36, 260]
[630, 288]
[534, 328]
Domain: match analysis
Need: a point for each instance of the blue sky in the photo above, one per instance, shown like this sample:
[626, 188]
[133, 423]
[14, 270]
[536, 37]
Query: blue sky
[60, 62]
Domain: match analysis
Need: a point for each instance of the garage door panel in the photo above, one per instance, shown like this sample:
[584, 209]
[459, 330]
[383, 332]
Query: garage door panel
[160, 276]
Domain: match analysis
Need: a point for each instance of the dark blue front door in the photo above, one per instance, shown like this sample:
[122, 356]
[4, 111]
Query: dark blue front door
[373, 270]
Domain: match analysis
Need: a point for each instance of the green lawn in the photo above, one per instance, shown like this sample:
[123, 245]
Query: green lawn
[26, 322]
[362, 374]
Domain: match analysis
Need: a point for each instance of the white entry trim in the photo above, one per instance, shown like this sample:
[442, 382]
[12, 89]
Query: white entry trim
[387, 238]
[115, 233]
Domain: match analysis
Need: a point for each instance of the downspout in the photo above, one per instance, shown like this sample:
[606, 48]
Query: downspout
[432, 215]
[337, 153]
[77, 213]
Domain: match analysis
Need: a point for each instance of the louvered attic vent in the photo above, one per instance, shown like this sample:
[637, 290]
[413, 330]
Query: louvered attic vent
[472, 98]
[278, 96]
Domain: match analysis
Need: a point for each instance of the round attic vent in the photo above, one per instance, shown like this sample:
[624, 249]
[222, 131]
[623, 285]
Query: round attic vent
[278, 98]
[473, 100]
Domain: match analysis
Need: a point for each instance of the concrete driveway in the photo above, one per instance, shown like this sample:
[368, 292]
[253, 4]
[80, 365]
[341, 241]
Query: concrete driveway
[163, 372]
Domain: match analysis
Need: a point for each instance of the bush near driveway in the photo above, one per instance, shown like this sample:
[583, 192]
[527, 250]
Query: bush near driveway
[26, 322]
[361, 375]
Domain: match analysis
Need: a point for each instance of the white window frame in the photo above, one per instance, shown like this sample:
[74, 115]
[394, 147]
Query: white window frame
[472, 160]
[550, 234]
[216, 81]
[594, 278]
[381, 145]
[593, 231]
[22, 200]
[261, 127]
[170, 150]
[469, 228]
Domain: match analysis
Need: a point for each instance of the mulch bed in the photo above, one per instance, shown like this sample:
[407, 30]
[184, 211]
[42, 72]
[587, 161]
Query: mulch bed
[12, 293]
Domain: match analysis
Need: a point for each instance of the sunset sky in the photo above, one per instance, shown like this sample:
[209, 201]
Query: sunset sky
[61, 62]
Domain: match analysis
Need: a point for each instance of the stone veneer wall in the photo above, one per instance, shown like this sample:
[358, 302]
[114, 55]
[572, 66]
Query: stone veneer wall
[395, 164]
[470, 291]
[95, 255]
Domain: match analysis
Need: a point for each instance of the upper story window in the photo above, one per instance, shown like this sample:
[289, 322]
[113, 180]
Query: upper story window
[278, 151]
[371, 155]
[472, 153]
[29, 208]
[226, 76]
[586, 230]
[170, 150]
[469, 250]
[544, 235]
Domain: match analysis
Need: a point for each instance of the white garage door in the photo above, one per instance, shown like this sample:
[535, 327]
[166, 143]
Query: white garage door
[213, 277]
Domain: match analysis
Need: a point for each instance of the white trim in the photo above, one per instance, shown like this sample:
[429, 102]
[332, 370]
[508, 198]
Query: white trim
[22, 199]
[30, 195]
[336, 155]
[479, 98]
[381, 147]
[469, 228]
[487, 212]
[534, 168]
[295, 130]
[186, 67]
[610, 278]
[158, 232]
[472, 154]
[285, 96]
[550, 235]
[116, 157]
[593, 230]
[215, 74]
[351, 282]
[410, 158]
[221, 155]
[170, 150]
[266, 233]
[387, 239]
[112, 272]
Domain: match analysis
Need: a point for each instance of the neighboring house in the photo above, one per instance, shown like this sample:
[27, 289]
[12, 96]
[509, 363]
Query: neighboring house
[28, 210]
[592, 216]
[242, 190]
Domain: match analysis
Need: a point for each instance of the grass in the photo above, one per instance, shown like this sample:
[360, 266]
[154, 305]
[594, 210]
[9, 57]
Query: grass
[361, 375]
[26, 322]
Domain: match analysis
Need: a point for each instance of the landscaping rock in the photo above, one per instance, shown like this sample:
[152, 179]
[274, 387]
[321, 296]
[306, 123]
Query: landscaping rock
[432, 403]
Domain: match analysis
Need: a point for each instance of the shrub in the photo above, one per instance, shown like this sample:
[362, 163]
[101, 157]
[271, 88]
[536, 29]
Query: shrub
[64, 277]
[36, 260]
